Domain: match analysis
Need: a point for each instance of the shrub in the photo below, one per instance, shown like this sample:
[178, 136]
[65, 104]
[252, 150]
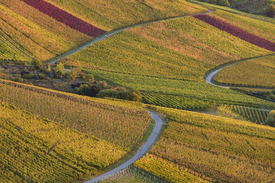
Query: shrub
[103, 84]
[270, 10]
[82, 75]
[5, 76]
[41, 76]
[28, 76]
[37, 64]
[213, 1]
[87, 90]
[29, 83]
[94, 89]
[89, 77]
[270, 120]
[223, 3]
[17, 79]
[133, 95]
[59, 70]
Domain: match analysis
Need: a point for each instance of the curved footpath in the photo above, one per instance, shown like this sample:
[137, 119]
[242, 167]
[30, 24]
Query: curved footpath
[145, 147]
[210, 77]
[101, 37]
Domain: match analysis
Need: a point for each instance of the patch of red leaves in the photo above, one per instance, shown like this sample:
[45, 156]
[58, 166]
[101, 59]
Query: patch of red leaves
[235, 31]
[65, 17]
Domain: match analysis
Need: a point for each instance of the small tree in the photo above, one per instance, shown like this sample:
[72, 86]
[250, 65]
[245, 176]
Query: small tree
[73, 74]
[233, 2]
[223, 3]
[270, 10]
[59, 70]
[103, 84]
[89, 78]
[94, 89]
[213, 1]
[270, 120]
[37, 64]
[135, 95]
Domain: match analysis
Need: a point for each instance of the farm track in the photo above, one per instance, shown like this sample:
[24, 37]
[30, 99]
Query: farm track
[107, 34]
[210, 77]
[146, 146]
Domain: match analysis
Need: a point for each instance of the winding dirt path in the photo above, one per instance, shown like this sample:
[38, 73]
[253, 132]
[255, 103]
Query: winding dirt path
[210, 77]
[146, 146]
[107, 34]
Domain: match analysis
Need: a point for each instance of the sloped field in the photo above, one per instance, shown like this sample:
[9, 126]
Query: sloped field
[258, 72]
[10, 50]
[214, 148]
[39, 150]
[37, 34]
[113, 14]
[116, 122]
[251, 38]
[258, 27]
[201, 91]
[184, 48]
[65, 17]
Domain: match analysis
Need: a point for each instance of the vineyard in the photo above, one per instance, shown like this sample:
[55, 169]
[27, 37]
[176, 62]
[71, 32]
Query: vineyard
[251, 38]
[201, 91]
[33, 149]
[110, 15]
[131, 174]
[36, 34]
[9, 51]
[184, 48]
[65, 17]
[253, 114]
[258, 27]
[176, 102]
[253, 72]
[166, 170]
[117, 122]
[216, 149]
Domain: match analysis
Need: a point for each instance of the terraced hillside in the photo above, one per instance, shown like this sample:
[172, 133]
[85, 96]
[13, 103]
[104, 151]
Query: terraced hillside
[35, 149]
[213, 148]
[200, 91]
[184, 48]
[253, 72]
[38, 35]
[113, 14]
[10, 51]
[119, 123]
[167, 60]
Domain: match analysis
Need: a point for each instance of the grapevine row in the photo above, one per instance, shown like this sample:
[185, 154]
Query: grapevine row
[117, 124]
[251, 38]
[65, 17]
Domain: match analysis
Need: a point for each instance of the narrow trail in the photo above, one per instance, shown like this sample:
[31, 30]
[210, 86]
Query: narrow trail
[210, 77]
[151, 140]
[107, 34]
[146, 146]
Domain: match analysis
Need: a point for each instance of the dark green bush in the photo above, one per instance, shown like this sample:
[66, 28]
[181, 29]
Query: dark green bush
[17, 79]
[41, 76]
[87, 90]
[270, 120]
[223, 2]
[132, 95]
[28, 76]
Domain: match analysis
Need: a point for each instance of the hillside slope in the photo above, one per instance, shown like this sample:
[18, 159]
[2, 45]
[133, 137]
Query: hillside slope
[184, 48]
[33, 149]
[217, 149]
[38, 35]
